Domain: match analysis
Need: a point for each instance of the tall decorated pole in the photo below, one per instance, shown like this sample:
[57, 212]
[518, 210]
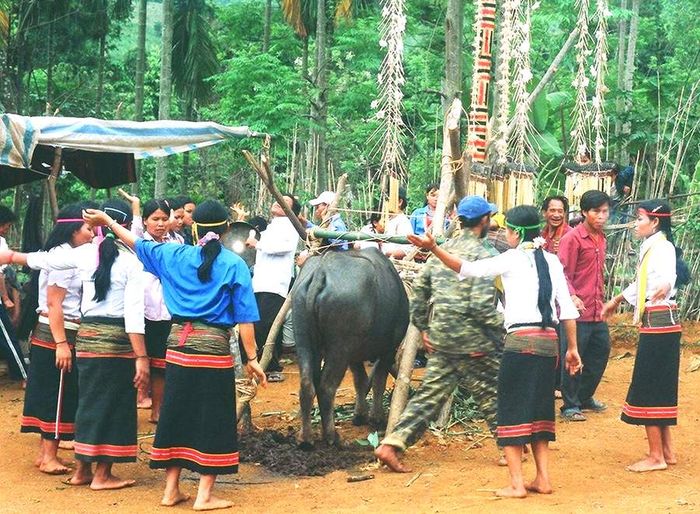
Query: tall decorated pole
[484, 26]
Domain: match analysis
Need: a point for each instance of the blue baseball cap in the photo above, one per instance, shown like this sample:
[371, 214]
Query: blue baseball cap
[473, 207]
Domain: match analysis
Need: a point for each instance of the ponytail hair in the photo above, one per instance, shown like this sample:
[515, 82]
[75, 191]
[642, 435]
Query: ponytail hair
[661, 210]
[525, 220]
[108, 250]
[209, 217]
[68, 222]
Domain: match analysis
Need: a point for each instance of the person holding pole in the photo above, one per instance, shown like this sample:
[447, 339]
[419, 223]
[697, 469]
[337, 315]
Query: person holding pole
[534, 286]
[652, 399]
[51, 398]
[111, 355]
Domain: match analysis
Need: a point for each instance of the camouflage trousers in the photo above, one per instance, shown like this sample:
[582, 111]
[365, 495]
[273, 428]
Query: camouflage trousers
[444, 372]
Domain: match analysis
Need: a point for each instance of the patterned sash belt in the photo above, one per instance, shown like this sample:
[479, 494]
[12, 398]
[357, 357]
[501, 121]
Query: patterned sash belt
[536, 341]
[103, 338]
[660, 319]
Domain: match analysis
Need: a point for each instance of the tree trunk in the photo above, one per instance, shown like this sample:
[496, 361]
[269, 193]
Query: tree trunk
[620, 101]
[319, 107]
[101, 75]
[454, 32]
[140, 73]
[628, 82]
[267, 21]
[165, 91]
[49, 65]
[305, 57]
[140, 61]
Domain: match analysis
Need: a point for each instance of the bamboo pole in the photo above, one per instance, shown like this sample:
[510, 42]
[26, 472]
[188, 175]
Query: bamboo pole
[263, 170]
[55, 170]
[549, 74]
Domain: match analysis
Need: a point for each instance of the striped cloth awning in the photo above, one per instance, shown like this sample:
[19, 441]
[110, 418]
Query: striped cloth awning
[20, 136]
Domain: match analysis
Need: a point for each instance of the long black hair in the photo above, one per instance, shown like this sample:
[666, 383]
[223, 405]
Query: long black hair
[525, 220]
[209, 216]
[663, 210]
[154, 205]
[63, 231]
[120, 212]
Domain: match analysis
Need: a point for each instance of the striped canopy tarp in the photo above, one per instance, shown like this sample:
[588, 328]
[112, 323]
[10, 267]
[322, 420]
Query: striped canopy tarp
[21, 136]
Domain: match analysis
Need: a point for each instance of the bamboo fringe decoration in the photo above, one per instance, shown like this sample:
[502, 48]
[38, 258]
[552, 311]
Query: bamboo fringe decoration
[503, 85]
[478, 185]
[519, 145]
[581, 116]
[600, 67]
[578, 183]
[390, 81]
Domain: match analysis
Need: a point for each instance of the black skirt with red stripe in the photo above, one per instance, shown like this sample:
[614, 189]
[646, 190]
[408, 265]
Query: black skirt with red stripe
[197, 427]
[652, 398]
[156, 337]
[106, 419]
[525, 399]
[41, 412]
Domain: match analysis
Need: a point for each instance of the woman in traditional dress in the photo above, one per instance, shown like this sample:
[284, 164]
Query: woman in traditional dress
[51, 398]
[207, 290]
[110, 351]
[153, 225]
[652, 399]
[534, 285]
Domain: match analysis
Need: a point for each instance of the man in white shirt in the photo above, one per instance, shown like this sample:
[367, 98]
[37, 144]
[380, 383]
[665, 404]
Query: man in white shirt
[272, 275]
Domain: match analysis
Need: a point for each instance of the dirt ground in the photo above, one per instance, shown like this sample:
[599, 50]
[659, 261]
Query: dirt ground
[449, 474]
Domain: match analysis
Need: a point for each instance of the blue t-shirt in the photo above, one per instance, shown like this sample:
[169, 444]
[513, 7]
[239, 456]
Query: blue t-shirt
[226, 299]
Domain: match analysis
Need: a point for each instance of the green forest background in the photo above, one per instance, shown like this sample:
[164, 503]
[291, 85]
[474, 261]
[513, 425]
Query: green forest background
[239, 62]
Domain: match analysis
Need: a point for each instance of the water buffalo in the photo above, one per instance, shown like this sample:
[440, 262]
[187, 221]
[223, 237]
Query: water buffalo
[347, 308]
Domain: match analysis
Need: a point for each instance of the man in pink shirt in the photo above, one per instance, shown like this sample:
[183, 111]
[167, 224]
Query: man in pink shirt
[555, 211]
[582, 252]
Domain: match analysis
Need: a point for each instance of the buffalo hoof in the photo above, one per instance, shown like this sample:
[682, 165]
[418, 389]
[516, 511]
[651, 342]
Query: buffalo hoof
[359, 420]
[305, 446]
[377, 423]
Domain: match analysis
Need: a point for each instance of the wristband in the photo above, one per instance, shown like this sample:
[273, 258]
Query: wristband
[61, 342]
[109, 225]
[12, 256]
[252, 358]
[142, 356]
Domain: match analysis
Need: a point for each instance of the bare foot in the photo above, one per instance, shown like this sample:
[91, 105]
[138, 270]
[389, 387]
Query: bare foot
[387, 454]
[511, 492]
[110, 482]
[213, 503]
[146, 403]
[537, 486]
[53, 467]
[170, 500]
[670, 459]
[78, 479]
[647, 464]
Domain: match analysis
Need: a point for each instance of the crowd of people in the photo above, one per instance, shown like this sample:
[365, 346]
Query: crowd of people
[136, 304]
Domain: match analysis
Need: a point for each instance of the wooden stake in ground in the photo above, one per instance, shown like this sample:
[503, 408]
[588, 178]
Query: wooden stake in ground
[411, 342]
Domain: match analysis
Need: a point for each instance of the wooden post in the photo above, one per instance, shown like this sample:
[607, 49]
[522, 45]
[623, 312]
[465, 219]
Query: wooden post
[411, 343]
[55, 170]
[450, 136]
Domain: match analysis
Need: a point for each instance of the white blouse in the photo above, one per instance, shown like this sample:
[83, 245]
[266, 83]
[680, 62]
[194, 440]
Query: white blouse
[661, 270]
[274, 257]
[125, 296]
[518, 272]
[69, 280]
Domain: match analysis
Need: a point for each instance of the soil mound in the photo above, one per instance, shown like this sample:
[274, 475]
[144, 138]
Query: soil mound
[279, 453]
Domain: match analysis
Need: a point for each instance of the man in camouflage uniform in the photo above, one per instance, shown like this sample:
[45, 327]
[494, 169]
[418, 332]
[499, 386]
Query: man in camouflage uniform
[462, 338]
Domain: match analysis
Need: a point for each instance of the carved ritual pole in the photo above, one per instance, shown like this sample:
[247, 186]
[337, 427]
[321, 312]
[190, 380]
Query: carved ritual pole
[485, 26]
